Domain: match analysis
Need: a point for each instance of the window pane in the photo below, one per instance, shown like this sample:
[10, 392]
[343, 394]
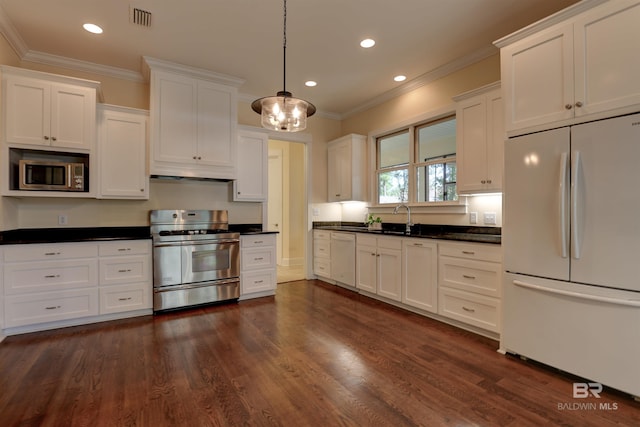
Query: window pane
[393, 186]
[437, 182]
[393, 150]
[436, 140]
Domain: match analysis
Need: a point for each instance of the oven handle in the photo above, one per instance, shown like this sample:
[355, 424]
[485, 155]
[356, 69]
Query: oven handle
[171, 288]
[195, 243]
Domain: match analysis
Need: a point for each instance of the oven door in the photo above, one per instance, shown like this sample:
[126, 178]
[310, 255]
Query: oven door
[208, 261]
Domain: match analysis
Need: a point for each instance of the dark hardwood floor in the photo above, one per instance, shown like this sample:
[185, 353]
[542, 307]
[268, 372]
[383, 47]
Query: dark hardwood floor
[313, 355]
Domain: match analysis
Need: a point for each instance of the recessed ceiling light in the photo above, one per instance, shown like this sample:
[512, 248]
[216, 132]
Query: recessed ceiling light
[367, 43]
[310, 83]
[400, 78]
[92, 28]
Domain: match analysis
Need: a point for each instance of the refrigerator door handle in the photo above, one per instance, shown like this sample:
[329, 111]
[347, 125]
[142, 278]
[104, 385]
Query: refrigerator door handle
[562, 202]
[575, 237]
[597, 298]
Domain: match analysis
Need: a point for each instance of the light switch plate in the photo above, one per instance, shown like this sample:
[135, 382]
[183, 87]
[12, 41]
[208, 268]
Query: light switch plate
[489, 218]
[473, 217]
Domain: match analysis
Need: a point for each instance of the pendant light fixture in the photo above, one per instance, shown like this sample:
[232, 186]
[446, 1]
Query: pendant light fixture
[283, 112]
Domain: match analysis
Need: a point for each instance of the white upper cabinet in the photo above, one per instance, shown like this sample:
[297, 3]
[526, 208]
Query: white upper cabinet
[347, 163]
[122, 153]
[193, 122]
[47, 110]
[480, 140]
[252, 182]
[582, 68]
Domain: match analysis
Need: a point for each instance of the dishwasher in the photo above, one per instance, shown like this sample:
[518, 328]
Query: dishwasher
[343, 258]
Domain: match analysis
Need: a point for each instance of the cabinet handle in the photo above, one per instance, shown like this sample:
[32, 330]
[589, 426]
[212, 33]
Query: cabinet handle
[258, 242]
[51, 253]
[568, 106]
[128, 270]
[257, 282]
[468, 252]
[466, 276]
[53, 138]
[488, 181]
[337, 195]
[55, 307]
[46, 138]
[51, 276]
[123, 249]
[470, 310]
[483, 181]
[199, 158]
[372, 254]
[142, 189]
[578, 104]
[124, 299]
[258, 259]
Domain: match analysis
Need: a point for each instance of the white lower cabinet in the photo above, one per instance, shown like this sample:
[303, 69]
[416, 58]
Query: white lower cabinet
[258, 269]
[420, 274]
[125, 276]
[55, 282]
[470, 284]
[322, 253]
[379, 266]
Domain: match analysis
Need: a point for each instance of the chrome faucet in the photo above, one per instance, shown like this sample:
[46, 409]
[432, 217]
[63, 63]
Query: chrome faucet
[395, 211]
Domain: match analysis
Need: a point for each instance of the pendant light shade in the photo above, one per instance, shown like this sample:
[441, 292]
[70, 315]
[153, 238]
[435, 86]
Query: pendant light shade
[283, 112]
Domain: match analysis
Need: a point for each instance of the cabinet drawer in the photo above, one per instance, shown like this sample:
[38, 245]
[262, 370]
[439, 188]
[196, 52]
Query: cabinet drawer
[258, 281]
[46, 276]
[466, 307]
[322, 267]
[120, 298]
[322, 248]
[118, 270]
[125, 247]
[390, 243]
[474, 276]
[481, 252]
[364, 240]
[49, 251]
[321, 234]
[258, 258]
[258, 240]
[23, 310]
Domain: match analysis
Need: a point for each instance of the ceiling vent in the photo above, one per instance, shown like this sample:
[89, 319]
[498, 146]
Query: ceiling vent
[139, 16]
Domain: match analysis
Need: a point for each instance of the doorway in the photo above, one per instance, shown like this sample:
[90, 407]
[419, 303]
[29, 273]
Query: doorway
[286, 211]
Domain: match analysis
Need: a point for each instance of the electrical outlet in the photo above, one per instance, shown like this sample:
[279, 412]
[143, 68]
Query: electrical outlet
[473, 217]
[489, 218]
[62, 219]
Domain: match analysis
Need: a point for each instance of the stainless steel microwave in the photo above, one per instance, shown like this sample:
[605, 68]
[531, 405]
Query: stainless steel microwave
[52, 176]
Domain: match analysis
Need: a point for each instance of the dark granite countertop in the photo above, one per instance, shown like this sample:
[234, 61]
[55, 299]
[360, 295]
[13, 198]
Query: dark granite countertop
[249, 229]
[429, 231]
[71, 234]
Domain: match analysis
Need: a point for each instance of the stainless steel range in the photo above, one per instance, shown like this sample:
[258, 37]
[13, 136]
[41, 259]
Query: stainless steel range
[196, 260]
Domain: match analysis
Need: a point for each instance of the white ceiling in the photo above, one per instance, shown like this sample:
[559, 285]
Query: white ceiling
[243, 38]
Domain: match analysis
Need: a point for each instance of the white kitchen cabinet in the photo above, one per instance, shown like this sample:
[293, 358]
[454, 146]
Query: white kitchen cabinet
[580, 69]
[470, 284]
[193, 122]
[253, 177]
[379, 266]
[480, 140]
[343, 258]
[48, 111]
[125, 276]
[322, 253]
[420, 274]
[347, 168]
[122, 153]
[258, 269]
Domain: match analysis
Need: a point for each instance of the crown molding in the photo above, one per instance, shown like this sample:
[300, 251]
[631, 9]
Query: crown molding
[425, 79]
[11, 34]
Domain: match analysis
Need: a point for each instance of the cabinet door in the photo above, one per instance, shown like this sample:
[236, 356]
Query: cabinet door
[174, 131]
[366, 272]
[390, 273]
[495, 140]
[339, 171]
[471, 119]
[27, 111]
[122, 149]
[73, 116]
[607, 42]
[252, 181]
[419, 263]
[216, 115]
[537, 78]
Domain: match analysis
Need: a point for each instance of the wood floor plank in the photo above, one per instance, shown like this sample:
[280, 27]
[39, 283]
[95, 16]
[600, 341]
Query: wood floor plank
[313, 354]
